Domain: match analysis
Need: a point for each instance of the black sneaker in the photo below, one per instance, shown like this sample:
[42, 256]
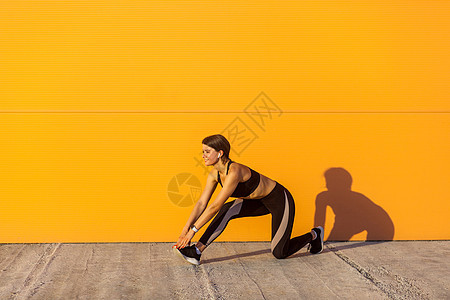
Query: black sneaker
[317, 244]
[189, 254]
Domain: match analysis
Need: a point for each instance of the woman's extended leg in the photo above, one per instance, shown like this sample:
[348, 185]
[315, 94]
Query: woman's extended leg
[231, 210]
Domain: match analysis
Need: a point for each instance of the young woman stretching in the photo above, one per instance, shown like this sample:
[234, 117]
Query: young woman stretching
[257, 195]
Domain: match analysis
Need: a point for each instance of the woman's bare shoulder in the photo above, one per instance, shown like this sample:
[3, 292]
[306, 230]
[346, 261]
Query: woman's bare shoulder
[239, 168]
[212, 175]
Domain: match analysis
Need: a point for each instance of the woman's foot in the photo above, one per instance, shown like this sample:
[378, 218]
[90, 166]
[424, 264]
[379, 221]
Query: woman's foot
[317, 243]
[189, 254]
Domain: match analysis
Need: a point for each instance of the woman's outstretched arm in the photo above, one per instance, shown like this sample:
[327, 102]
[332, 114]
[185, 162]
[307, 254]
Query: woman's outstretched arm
[202, 202]
[208, 213]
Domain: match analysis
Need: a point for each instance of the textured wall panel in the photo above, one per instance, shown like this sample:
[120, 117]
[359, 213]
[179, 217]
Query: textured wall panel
[215, 56]
[109, 177]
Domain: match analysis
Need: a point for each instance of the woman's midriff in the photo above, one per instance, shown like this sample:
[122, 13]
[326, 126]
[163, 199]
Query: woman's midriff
[266, 185]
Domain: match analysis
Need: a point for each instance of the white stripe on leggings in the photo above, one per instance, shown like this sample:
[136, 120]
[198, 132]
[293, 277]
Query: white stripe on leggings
[283, 225]
[232, 211]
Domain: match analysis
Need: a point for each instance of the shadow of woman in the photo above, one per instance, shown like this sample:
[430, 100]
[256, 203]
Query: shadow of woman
[354, 212]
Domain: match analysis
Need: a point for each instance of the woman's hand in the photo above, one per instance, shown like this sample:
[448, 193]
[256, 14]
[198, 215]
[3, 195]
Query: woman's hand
[185, 240]
[180, 238]
[182, 235]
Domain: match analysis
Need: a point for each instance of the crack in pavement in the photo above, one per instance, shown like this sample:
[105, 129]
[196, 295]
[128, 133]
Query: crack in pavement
[30, 284]
[211, 288]
[406, 288]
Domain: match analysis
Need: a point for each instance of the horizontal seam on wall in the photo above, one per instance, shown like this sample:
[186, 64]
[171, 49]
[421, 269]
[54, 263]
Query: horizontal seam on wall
[222, 112]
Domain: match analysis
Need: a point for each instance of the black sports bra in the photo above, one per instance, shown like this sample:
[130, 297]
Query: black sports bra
[245, 188]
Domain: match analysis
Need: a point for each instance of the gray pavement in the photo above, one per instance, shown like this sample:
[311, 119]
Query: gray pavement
[345, 270]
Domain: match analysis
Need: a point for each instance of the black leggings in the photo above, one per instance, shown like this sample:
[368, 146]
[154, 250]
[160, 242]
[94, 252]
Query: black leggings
[279, 203]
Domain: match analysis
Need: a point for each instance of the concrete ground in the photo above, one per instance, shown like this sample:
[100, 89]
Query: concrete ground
[348, 270]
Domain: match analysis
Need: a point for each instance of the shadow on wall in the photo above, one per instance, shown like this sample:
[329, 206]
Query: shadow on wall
[353, 211]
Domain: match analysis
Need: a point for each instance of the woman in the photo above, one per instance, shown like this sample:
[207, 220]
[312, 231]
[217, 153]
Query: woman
[257, 195]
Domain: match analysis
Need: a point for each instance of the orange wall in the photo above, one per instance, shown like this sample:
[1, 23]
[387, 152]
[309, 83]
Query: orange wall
[104, 103]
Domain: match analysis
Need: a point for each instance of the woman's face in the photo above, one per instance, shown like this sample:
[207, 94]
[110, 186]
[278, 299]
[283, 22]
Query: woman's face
[210, 155]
